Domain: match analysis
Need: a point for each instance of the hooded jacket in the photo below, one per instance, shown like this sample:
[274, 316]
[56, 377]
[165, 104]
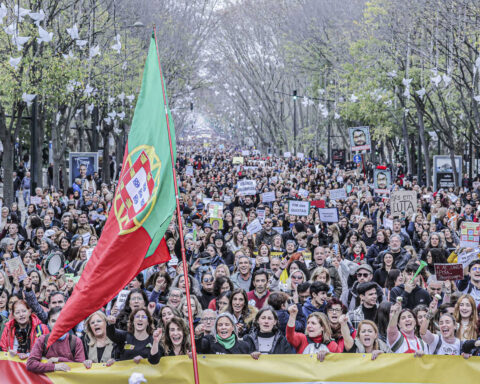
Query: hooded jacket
[280, 345]
[8, 336]
[309, 308]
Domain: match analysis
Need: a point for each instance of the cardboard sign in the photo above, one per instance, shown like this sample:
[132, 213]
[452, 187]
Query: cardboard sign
[237, 160]
[254, 227]
[469, 235]
[15, 268]
[465, 258]
[298, 208]
[122, 299]
[189, 170]
[445, 272]
[246, 187]
[403, 203]
[303, 192]
[338, 194]
[360, 139]
[318, 203]
[328, 215]
[268, 197]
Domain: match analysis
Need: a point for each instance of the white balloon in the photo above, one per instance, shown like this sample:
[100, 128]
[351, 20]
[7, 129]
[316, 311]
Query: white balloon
[45, 37]
[15, 61]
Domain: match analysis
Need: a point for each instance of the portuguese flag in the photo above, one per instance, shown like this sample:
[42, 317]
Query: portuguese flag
[141, 211]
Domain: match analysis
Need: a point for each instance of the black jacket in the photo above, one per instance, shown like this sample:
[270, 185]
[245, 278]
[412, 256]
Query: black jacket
[410, 300]
[207, 345]
[280, 345]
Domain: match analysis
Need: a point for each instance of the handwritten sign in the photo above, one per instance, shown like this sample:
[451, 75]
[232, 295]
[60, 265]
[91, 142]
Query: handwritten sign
[403, 203]
[237, 160]
[465, 258]
[246, 187]
[338, 194]
[445, 272]
[469, 235]
[303, 192]
[300, 155]
[245, 152]
[189, 170]
[298, 208]
[122, 298]
[268, 197]
[37, 200]
[328, 215]
[254, 227]
[287, 155]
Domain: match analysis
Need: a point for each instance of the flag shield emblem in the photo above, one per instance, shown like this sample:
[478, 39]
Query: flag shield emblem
[137, 188]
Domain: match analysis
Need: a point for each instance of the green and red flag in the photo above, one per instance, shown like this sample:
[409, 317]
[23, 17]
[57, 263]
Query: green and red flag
[143, 206]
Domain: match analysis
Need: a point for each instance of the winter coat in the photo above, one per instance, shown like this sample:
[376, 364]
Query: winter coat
[280, 345]
[8, 336]
[208, 345]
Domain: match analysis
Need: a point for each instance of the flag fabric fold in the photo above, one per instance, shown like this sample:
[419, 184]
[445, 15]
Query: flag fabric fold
[143, 206]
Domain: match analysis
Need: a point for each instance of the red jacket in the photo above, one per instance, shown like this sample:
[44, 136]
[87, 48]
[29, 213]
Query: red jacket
[8, 336]
[299, 341]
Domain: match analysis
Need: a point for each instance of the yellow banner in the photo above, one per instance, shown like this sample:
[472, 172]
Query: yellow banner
[223, 369]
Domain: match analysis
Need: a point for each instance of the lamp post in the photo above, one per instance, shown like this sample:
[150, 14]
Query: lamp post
[295, 122]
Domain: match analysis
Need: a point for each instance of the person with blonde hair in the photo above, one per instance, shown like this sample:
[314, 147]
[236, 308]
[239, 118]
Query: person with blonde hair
[98, 347]
[367, 340]
[466, 317]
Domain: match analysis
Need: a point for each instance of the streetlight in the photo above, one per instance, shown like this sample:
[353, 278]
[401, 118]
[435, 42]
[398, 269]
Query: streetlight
[295, 122]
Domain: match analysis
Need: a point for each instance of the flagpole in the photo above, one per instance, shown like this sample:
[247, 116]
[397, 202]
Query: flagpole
[180, 227]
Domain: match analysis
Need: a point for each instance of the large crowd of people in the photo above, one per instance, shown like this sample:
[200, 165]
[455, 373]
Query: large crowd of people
[262, 280]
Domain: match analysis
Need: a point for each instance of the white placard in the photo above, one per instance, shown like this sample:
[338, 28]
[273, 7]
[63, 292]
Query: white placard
[287, 155]
[328, 215]
[245, 152]
[465, 258]
[254, 227]
[273, 179]
[403, 202]
[388, 223]
[453, 198]
[338, 194]
[278, 229]
[189, 170]
[303, 192]
[261, 215]
[246, 187]
[298, 208]
[300, 155]
[37, 200]
[268, 197]
[122, 299]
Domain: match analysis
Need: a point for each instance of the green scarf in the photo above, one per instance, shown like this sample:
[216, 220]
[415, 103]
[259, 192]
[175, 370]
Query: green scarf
[227, 343]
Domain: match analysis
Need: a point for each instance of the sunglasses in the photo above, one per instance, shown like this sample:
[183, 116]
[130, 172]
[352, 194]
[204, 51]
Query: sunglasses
[208, 280]
[363, 274]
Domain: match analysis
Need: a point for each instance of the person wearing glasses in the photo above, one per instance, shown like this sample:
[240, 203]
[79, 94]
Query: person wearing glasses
[471, 283]
[206, 323]
[364, 274]
[136, 299]
[367, 310]
[140, 340]
[266, 235]
[342, 331]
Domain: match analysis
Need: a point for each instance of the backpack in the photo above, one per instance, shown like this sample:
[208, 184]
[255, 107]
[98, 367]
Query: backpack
[71, 340]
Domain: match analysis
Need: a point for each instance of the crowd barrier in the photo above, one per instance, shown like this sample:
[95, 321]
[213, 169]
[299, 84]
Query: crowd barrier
[279, 369]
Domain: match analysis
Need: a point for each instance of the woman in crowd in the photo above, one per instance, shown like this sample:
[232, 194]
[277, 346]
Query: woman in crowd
[466, 316]
[224, 339]
[140, 340]
[177, 340]
[136, 299]
[388, 263]
[265, 337]
[98, 347]
[196, 309]
[401, 332]
[243, 313]
[317, 337]
[22, 331]
[367, 340]
[167, 313]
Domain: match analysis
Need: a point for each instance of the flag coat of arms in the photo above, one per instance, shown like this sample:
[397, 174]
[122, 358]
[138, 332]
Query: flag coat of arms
[141, 210]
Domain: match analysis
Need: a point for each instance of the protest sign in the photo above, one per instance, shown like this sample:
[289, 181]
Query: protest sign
[189, 170]
[246, 187]
[382, 181]
[287, 155]
[476, 184]
[465, 258]
[445, 272]
[273, 179]
[360, 139]
[298, 208]
[338, 194]
[122, 298]
[261, 215]
[469, 235]
[303, 192]
[328, 215]
[15, 268]
[37, 200]
[278, 229]
[216, 223]
[443, 176]
[403, 203]
[268, 197]
[254, 227]
[300, 155]
[245, 152]
[387, 223]
[318, 203]
[237, 160]
[215, 209]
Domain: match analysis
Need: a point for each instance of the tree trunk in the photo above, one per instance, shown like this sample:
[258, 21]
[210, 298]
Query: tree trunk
[106, 157]
[405, 145]
[8, 149]
[426, 153]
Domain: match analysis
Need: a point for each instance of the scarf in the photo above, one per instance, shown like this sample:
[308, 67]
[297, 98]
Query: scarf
[23, 338]
[227, 343]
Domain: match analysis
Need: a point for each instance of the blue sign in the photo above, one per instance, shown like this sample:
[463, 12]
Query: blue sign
[357, 159]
